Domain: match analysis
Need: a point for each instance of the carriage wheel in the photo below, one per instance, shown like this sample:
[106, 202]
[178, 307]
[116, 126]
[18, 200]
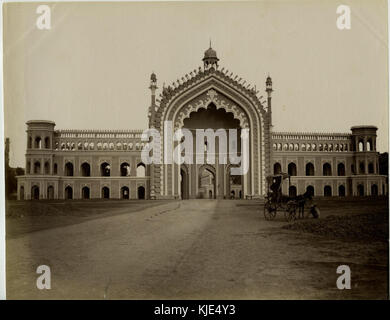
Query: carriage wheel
[290, 213]
[269, 210]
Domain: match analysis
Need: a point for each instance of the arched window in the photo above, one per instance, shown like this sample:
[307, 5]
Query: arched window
[309, 169]
[141, 170]
[341, 191]
[362, 169]
[55, 168]
[69, 169]
[85, 194]
[277, 168]
[47, 167]
[125, 169]
[310, 190]
[38, 143]
[360, 145]
[105, 169]
[369, 145]
[37, 167]
[341, 169]
[292, 191]
[292, 169]
[47, 143]
[327, 191]
[326, 169]
[371, 168]
[68, 193]
[85, 170]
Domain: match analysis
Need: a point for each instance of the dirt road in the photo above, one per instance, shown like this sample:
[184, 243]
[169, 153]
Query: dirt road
[190, 250]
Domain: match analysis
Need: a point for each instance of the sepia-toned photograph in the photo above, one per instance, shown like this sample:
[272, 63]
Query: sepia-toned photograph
[196, 150]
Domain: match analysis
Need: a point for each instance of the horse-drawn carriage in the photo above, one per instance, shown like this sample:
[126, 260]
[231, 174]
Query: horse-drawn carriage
[276, 201]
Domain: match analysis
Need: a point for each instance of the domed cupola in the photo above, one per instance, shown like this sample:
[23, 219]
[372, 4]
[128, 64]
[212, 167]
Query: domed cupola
[210, 58]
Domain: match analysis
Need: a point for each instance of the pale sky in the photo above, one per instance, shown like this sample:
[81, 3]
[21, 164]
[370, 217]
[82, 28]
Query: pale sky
[91, 70]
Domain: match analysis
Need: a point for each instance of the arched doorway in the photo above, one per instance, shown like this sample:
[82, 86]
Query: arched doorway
[125, 193]
[68, 193]
[310, 190]
[234, 183]
[309, 169]
[141, 192]
[207, 182]
[21, 193]
[292, 191]
[105, 193]
[374, 190]
[341, 191]
[360, 190]
[35, 193]
[327, 191]
[85, 194]
[50, 192]
[184, 184]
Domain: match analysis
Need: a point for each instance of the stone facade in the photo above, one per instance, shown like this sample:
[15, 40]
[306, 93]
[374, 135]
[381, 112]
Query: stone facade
[83, 164]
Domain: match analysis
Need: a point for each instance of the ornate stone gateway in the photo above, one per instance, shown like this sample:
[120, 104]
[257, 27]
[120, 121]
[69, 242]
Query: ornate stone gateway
[211, 98]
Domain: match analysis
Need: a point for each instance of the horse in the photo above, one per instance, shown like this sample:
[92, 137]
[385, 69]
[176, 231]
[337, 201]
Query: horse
[301, 202]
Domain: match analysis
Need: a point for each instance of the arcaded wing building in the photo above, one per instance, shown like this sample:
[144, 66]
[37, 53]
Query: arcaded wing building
[88, 164]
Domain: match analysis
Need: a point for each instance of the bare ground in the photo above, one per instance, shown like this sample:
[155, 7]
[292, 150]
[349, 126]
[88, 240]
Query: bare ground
[188, 250]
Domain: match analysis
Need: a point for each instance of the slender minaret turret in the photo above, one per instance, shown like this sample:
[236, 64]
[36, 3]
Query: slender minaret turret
[268, 85]
[152, 108]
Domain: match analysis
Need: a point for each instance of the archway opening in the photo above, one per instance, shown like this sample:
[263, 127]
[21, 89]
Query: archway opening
[85, 193]
[292, 191]
[125, 193]
[105, 169]
[292, 169]
[125, 169]
[141, 170]
[310, 190]
[68, 193]
[309, 169]
[327, 191]
[374, 190]
[184, 184]
[327, 169]
[50, 192]
[105, 193]
[21, 193]
[141, 192]
[85, 169]
[69, 169]
[341, 191]
[35, 193]
[206, 183]
[360, 190]
[277, 168]
[341, 169]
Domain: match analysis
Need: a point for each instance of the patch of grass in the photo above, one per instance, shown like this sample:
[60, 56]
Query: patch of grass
[358, 227]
